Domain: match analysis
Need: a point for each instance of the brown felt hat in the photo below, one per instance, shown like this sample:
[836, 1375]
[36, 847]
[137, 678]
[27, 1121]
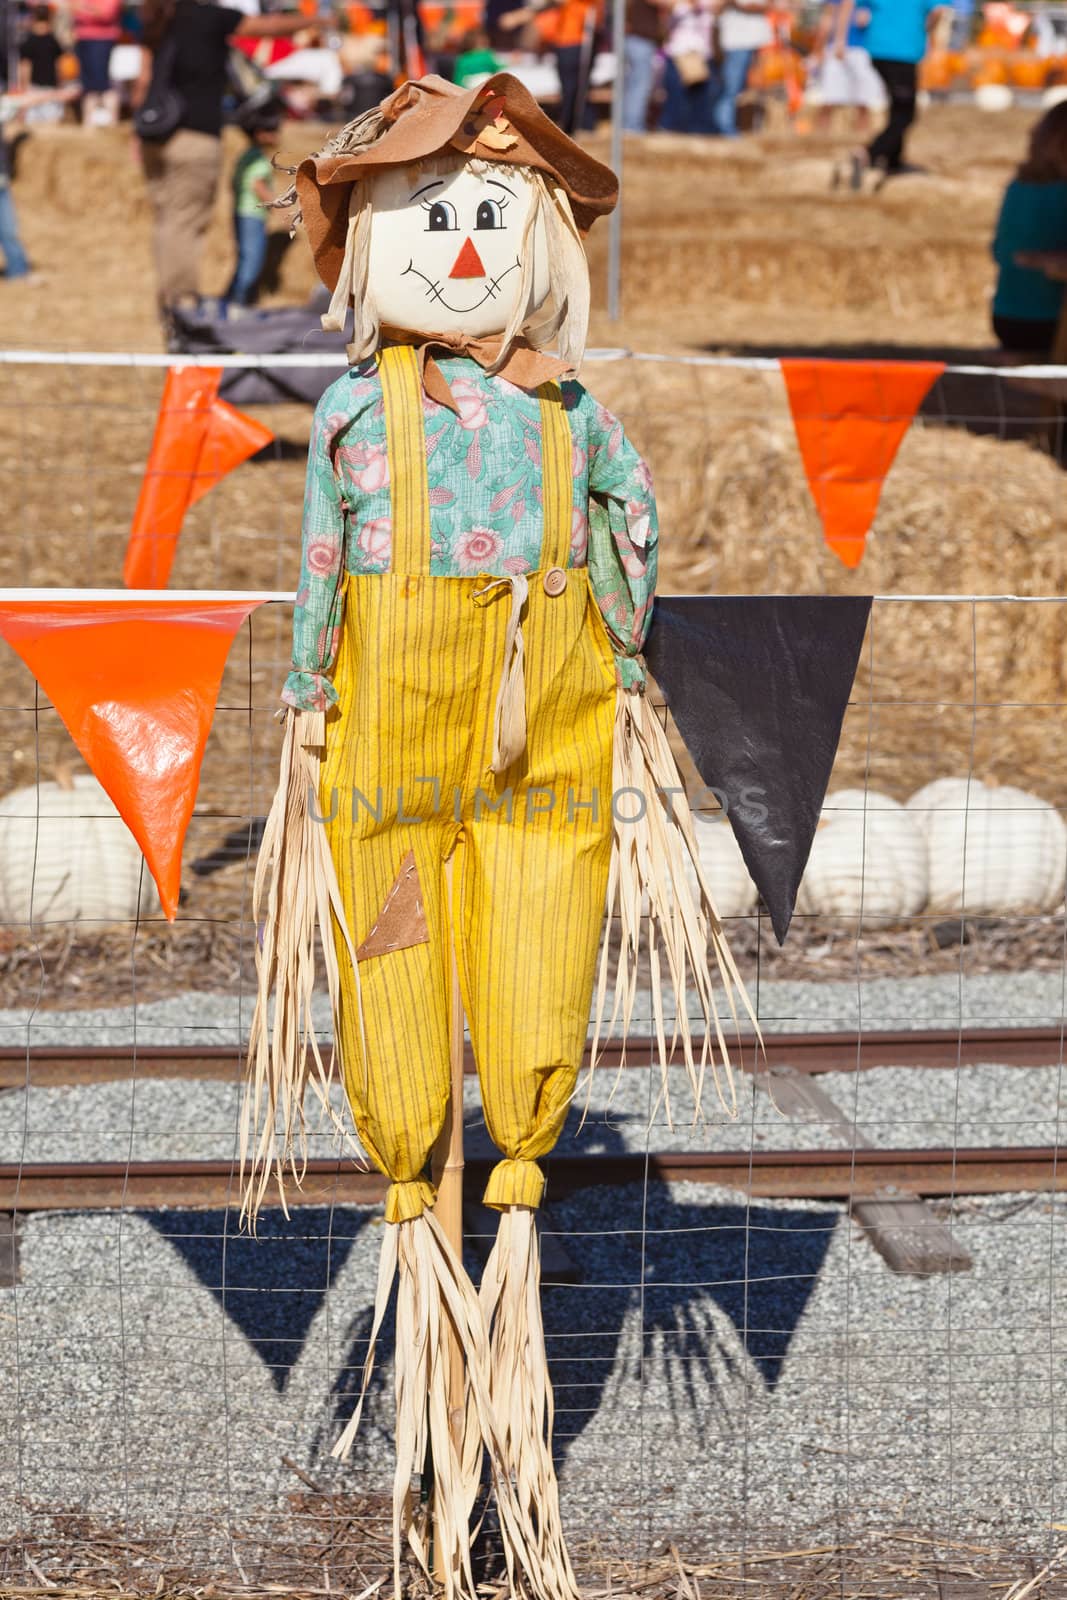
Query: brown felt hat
[498, 121]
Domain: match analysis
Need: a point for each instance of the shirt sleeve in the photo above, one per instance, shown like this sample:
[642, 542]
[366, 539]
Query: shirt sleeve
[317, 614]
[623, 540]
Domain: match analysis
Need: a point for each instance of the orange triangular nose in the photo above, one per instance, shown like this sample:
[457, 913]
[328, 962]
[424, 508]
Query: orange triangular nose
[468, 263]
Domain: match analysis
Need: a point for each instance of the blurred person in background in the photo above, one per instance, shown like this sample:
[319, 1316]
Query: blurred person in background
[366, 81]
[896, 38]
[39, 52]
[1033, 217]
[689, 75]
[14, 108]
[962, 24]
[647, 22]
[187, 42]
[97, 26]
[743, 28]
[253, 191]
[844, 74]
[567, 27]
[16, 262]
[475, 60]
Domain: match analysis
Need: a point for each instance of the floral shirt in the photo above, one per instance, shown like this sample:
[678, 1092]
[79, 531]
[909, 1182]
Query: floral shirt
[484, 472]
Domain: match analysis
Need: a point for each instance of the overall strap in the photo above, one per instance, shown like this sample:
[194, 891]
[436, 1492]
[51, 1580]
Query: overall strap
[557, 477]
[409, 492]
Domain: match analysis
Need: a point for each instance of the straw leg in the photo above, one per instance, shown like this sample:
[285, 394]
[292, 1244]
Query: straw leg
[447, 1167]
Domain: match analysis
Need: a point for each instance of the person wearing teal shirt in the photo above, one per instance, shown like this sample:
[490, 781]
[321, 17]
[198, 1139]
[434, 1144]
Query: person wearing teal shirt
[896, 38]
[1033, 216]
[897, 29]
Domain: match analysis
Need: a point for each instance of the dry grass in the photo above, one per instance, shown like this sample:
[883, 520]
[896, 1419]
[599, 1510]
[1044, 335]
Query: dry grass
[339, 1545]
[725, 246]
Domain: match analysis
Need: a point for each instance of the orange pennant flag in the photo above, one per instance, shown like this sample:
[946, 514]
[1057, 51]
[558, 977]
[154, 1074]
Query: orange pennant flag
[136, 681]
[850, 417]
[198, 440]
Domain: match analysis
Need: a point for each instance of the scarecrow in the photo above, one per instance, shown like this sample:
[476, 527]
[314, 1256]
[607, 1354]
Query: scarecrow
[470, 769]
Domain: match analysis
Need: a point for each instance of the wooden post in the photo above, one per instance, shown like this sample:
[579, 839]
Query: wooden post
[447, 1171]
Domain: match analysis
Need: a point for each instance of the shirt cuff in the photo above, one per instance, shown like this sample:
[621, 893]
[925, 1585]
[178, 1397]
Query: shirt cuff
[309, 691]
[630, 672]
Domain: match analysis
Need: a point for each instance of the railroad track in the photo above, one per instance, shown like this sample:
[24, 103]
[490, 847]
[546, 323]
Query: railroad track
[855, 1175]
[885, 1187]
[810, 1053]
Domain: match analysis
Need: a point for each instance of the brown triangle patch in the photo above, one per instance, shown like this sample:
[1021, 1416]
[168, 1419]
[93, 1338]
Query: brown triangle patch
[401, 921]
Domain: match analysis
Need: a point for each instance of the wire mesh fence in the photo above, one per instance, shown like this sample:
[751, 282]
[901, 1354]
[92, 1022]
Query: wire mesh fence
[750, 1357]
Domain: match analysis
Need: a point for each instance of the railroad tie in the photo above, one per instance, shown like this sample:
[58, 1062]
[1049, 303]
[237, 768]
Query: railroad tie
[901, 1227]
[9, 1250]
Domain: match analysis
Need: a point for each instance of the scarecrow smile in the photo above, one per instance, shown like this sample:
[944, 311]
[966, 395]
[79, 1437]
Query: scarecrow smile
[433, 289]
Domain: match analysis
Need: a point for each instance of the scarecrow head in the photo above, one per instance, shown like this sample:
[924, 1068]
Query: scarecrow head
[457, 213]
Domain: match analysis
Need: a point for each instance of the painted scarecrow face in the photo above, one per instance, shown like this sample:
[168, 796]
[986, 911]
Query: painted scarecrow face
[446, 248]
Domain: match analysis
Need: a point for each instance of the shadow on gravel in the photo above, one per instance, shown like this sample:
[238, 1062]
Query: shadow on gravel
[271, 1286]
[714, 1284]
[720, 1288]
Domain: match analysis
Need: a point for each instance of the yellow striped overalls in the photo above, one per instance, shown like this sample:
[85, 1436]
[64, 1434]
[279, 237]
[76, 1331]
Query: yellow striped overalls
[407, 784]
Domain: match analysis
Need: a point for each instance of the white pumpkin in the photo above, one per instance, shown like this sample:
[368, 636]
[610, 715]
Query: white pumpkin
[868, 859]
[992, 850]
[732, 889]
[67, 856]
[993, 97]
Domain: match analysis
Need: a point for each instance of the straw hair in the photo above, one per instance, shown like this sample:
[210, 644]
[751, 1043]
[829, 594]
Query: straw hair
[567, 326]
[648, 881]
[436, 1299]
[352, 287]
[522, 1390]
[295, 895]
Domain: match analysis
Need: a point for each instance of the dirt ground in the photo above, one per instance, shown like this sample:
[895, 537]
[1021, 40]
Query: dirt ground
[737, 247]
[331, 1543]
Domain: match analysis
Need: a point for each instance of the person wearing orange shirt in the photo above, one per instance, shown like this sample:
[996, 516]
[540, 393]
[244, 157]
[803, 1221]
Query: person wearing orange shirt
[568, 26]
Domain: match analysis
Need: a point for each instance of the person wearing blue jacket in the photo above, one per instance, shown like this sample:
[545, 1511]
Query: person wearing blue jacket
[1033, 217]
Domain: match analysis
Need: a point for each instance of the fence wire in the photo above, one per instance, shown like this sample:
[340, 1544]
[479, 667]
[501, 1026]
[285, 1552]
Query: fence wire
[739, 1373]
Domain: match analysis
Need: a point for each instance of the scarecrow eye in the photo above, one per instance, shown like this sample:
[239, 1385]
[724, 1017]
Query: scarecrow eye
[441, 217]
[490, 215]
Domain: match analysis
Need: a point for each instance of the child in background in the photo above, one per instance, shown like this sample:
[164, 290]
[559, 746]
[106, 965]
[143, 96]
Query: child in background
[39, 53]
[1033, 217]
[844, 75]
[15, 260]
[253, 189]
[475, 61]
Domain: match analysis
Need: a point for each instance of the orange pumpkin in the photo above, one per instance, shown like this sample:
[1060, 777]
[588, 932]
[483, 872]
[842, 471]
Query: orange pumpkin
[935, 74]
[67, 68]
[770, 68]
[994, 38]
[991, 71]
[1029, 72]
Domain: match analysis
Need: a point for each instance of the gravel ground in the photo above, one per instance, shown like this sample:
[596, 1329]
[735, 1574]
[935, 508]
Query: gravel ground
[785, 1378]
[722, 1368]
[980, 1000]
[168, 1120]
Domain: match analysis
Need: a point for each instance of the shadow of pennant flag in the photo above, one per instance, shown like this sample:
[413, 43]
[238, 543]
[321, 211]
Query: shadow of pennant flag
[271, 1286]
[758, 687]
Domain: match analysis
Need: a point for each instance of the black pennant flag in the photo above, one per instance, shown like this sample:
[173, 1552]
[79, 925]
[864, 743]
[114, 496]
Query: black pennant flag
[758, 686]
